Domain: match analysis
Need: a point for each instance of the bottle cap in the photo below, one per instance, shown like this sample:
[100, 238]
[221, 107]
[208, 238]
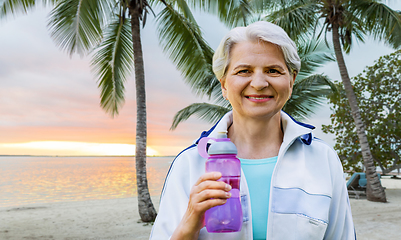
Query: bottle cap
[223, 145]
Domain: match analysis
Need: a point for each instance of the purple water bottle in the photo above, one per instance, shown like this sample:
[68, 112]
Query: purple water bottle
[221, 157]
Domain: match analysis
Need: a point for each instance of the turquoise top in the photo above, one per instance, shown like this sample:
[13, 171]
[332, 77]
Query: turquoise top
[258, 175]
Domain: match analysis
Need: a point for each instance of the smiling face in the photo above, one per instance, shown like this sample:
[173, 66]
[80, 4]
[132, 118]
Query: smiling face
[257, 82]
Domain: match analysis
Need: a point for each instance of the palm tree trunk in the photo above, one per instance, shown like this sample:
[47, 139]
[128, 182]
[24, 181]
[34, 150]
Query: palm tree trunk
[374, 191]
[146, 209]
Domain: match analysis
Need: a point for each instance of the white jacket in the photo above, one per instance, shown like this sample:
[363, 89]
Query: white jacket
[308, 195]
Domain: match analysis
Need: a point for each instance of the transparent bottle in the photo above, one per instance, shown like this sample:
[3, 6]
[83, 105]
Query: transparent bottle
[221, 157]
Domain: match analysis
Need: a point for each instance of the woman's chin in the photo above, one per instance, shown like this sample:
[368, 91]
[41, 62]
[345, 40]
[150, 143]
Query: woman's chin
[258, 113]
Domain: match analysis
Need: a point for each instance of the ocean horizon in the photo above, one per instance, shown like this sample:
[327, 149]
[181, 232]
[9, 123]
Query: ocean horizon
[28, 180]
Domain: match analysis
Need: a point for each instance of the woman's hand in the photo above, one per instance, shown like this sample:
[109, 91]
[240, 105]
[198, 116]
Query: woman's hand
[205, 194]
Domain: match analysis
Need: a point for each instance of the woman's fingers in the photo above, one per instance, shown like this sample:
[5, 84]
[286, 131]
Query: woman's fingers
[205, 194]
[212, 194]
[211, 185]
[209, 181]
[207, 204]
[208, 192]
[208, 176]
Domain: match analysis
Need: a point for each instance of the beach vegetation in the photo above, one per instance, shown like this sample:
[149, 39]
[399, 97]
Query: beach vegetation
[378, 94]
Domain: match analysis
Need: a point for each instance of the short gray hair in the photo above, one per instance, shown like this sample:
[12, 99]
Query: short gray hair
[264, 31]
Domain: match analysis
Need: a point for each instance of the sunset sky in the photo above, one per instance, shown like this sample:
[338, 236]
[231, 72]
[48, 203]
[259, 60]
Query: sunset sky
[49, 102]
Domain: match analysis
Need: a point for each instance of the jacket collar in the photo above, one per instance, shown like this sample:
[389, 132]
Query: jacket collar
[292, 129]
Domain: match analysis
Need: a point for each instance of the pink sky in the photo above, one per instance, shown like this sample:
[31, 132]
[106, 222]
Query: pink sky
[47, 96]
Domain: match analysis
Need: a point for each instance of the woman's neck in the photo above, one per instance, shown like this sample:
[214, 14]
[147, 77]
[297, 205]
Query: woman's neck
[256, 138]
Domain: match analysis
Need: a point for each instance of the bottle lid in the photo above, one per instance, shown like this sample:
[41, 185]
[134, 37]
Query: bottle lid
[223, 145]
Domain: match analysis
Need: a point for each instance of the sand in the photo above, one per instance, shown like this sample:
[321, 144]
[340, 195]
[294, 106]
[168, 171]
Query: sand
[92, 219]
[118, 219]
[376, 221]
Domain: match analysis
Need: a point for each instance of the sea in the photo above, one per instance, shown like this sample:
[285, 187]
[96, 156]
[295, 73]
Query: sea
[30, 180]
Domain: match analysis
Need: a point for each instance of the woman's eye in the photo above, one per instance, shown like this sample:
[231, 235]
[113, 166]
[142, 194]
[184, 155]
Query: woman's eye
[273, 71]
[243, 71]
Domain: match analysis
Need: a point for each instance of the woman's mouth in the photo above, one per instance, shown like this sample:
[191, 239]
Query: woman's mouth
[259, 98]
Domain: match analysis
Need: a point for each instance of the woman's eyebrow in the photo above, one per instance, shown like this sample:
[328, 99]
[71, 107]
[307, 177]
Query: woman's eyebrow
[276, 66]
[269, 66]
[242, 66]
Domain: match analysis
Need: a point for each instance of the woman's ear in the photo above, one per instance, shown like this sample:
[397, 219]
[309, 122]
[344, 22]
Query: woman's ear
[223, 87]
[293, 76]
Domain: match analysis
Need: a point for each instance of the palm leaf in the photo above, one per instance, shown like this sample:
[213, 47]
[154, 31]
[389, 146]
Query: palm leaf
[113, 63]
[313, 54]
[15, 6]
[382, 21]
[76, 25]
[231, 13]
[295, 17]
[182, 41]
[183, 6]
[205, 111]
[351, 26]
[263, 6]
[308, 94]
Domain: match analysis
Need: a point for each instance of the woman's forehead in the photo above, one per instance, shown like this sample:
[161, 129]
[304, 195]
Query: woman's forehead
[256, 51]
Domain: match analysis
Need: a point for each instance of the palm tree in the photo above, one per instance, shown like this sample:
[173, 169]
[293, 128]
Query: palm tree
[310, 90]
[117, 24]
[112, 30]
[346, 19]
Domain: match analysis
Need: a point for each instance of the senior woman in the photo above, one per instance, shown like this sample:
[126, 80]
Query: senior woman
[292, 184]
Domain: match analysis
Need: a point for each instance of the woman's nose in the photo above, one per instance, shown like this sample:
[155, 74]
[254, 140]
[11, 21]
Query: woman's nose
[259, 81]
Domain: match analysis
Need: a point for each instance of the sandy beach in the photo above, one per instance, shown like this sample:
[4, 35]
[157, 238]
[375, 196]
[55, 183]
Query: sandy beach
[376, 221]
[119, 219]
